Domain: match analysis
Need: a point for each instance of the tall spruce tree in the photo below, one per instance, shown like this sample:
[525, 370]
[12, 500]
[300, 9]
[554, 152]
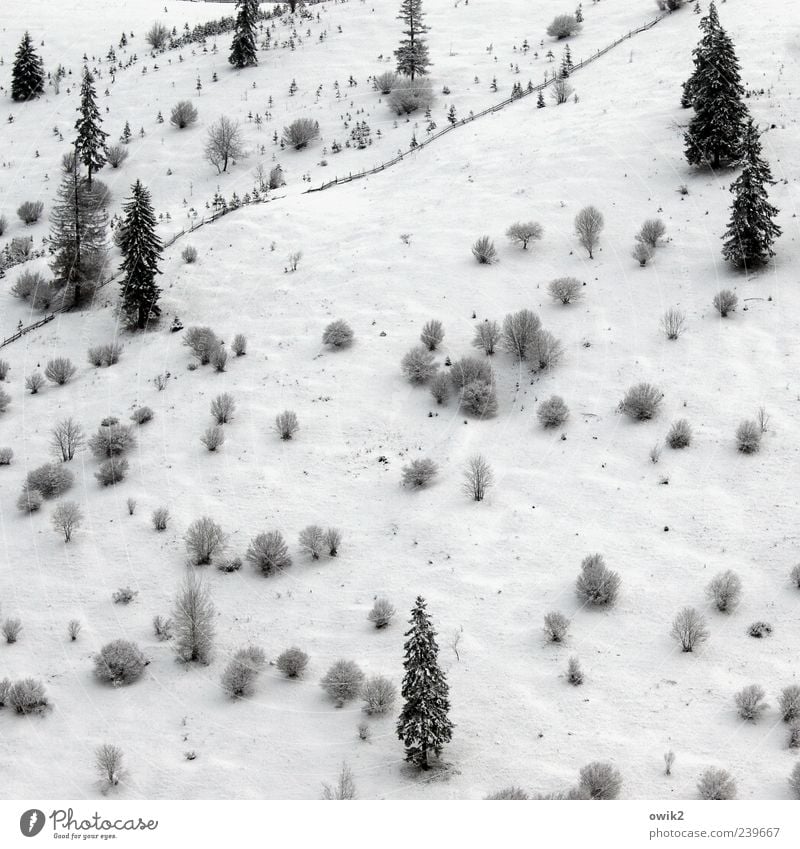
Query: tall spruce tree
[78, 227]
[715, 132]
[243, 46]
[27, 74]
[141, 250]
[424, 726]
[412, 54]
[709, 24]
[91, 140]
[752, 230]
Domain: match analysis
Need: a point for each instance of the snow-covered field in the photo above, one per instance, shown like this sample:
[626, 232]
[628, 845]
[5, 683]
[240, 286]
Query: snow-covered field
[489, 570]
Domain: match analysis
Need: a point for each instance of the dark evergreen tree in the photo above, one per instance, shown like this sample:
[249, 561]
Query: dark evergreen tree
[27, 74]
[424, 726]
[91, 141]
[243, 47]
[141, 249]
[78, 226]
[715, 132]
[709, 24]
[412, 54]
[752, 229]
[540, 104]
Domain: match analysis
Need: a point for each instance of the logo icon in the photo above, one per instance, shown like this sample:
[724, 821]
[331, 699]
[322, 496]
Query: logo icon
[31, 822]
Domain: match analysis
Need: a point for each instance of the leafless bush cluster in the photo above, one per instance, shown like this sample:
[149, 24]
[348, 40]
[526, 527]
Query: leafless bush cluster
[679, 434]
[59, 371]
[385, 82]
[213, 437]
[725, 302]
[105, 355]
[689, 629]
[418, 365]
[119, 662]
[204, 538]
[30, 211]
[286, 424]
[157, 36]
[343, 681]
[382, 613]
[553, 412]
[183, 114]
[484, 251]
[300, 133]
[292, 662]
[67, 518]
[409, 95]
[66, 439]
[725, 590]
[50, 479]
[223, 407]
[600, 780]
[641, 402]
[239, 677]
[565, 289]
[597, 584]
[487, 337]
[269, 553]
[112, 440]
[419, 473]
[523, 233]
[202, 341]
[673, 323]
[432, 334]
[112, 471]
[748, 437]
[478, 477]
[26, 696]
[193, 615]
[750, 702]
[555, 626]
[338, 334]
[716, 784]
[379, 695]
[563, 26]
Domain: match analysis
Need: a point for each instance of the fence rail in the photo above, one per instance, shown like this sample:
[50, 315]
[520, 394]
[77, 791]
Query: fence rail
[488, 111]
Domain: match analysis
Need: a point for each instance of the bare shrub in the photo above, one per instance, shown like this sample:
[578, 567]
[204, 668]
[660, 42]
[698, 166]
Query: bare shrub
[183, 114]
[229, 564]
[725, 302]
[382, 613]
[759, 629]
[4, 369]
[597, 584]
[286, 424]
[189, 254]
[11, 630]
[312, 541]
[108, 762]
[142, 415]
[565, 289]
[789, 703]
[689, 628]
[519, 333]
[213, 437]
[105, 355]
[487, 336]
[651, 232]
[560, 91]
[50, 479]
[794, 780]
[292, 662]
[3, 224]
[669, 761]
[478, 477]
[239, 345]
[34, 382]
[119, 662]
[73, 629]
[555, 626]
[30, 211]
[333, 540]
[344, 788]
[385, 82]
[432, 334]
[157, 36]
[588, 226]
[409, 95]
[509, 794]
[641, 402]
[642, 253]
[202, 341]
[269, 553]
[59, 371]
[440, 388]
[553, 412]
[66, 438]
[379, 695]
[6, 455]
[112, 440]
[419, 473]
[239, 677]
[300, 133]
[116, 154]
[28, 283]
[343, 681]
[418, 365]
[748, 437]
[67, 518]
[30, 500]
[124, 595]
[725, 590]
[5, 400]
[27, 696]
[219, 359]
[750, 702]
[162, 628]
[716, 784]
[112, 471]
[484, 251]
[223, 407]
[338, 334]
[479, 399]
[679, 434]
[673, 323]
[545, 352]
[794, 575]
[522, 233]
[601, 780]
[563, 26]
[470, 370]
[193, 616]
[204, 538]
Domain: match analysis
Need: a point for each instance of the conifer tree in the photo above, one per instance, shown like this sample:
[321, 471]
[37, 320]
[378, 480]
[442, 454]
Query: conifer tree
[715, 132]
[412, 54]
[243, 46]
[141, 249]
[424, 726]
[752, 230]
[91, 141]
[709, 24]
[77, 236]
[27, 74]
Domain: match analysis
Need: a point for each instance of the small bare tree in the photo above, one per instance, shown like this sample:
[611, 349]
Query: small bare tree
[224, 143]
[478, 477]
[689, 628]
[523, 232]
[67, 518]
[344, 788]
[561, 91]
[108, 760]
[67, 437]
[193, 615]
[588, 226]
[204, 538]
[669, 761]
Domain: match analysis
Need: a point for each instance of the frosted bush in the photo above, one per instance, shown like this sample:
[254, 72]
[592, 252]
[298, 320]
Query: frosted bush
[112, 471]
[409, 95]
[202, 341]
[300, 133]
[50, 479]
[338, 334]
[748, 437]
[432, 334]
[312, 541]
[419, 473]
[563, 26]
[470, 370]
[750, 702]
[269, 553]
[641, 402]
[119, 662]
[292, 662]
[223, 407]
[725, 302]
[59, 371]
[478, 398]
[381, 613]
[725, 590]
[601, 780]
[555, 626]
[286, 424]
[716, 784]
[689, 629]
[484, 251]
[343, 681]
[440, 388]
[565, 289]
[487, 336]
[553, 412]
[597, 584]
[418, 365]
[204, 538]
[680, 434]
[379, 695]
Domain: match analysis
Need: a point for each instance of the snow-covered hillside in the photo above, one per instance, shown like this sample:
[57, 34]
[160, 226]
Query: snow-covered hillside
[489, 571]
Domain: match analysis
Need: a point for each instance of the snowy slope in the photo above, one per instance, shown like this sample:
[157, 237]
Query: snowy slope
[492, 569]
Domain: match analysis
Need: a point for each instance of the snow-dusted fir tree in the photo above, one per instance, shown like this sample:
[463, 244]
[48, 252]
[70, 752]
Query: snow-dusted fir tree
[412, 54]
[91, 140]
[715, 132]
[27, 75]
[752, 229]
[141, 249]
[424, 726]
[78, 226]
[709, 24]
[243, 46]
